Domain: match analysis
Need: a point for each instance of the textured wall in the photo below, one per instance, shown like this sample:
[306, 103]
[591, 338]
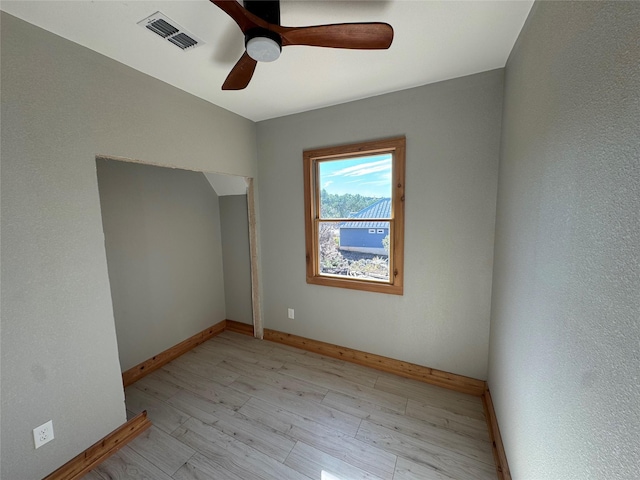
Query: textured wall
[234, 220]
[565, 328]
[453, 134]
[61, 106]
[164, 255]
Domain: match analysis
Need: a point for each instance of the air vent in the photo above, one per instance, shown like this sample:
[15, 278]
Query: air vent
[166, 28]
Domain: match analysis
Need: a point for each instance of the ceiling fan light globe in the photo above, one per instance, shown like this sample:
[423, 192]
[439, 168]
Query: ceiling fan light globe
[263, 49]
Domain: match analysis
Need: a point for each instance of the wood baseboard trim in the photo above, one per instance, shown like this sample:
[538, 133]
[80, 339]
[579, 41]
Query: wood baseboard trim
[432, 376]
[499, 455]
[239, 327]
[103, 449]
[136, 373]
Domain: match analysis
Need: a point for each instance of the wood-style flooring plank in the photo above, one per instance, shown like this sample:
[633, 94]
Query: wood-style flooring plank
[225, 350]
[198, 407]
[205, 354]
[245, 342]
[408, 470]
[448, 462]
[162, 415]
[246, 430]
[352, 371]
[319, 465]
[93, 475]
[126, 464]
[179, 367]
[156, 388]
[424, 432]
[351, 368]
[235, 456]
[274, 378]
[300, 403]
[463, 424]
[334, 382]
[161, 449]
[420, 390]
[456, 402]
[439, 419]
[204, 387]
[339, 445]
[196, 362]
[200, 467]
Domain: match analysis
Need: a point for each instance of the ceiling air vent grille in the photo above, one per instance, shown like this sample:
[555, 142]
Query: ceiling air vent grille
[183, 41]
[163, 26]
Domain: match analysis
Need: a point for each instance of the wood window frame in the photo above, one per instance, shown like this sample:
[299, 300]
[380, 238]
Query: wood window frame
[397, 147]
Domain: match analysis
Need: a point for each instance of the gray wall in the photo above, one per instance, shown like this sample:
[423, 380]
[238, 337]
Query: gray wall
[234, 220]
[61, 106]
[164, 255]
[565, 329]
[453, 134]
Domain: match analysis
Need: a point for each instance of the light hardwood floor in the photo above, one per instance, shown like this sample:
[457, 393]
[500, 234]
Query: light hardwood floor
[238, 408]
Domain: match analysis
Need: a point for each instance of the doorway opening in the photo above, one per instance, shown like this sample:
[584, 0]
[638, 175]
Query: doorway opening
[181, 253]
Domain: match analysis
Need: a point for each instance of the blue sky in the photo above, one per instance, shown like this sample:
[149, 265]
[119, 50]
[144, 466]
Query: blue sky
[368, 176]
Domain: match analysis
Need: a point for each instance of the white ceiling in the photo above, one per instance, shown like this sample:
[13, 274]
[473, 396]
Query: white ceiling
[434, 41]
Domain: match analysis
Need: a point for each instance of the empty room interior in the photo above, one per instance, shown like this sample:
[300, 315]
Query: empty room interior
[184, 296]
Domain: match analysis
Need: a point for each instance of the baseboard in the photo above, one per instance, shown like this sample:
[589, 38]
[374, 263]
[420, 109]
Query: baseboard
[448, 380]
[499, 454]
[136, 373]
[103, 449]
[440, 378]
[239, 327]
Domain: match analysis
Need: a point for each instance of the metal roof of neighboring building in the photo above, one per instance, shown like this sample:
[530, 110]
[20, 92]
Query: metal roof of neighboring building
[379, 209]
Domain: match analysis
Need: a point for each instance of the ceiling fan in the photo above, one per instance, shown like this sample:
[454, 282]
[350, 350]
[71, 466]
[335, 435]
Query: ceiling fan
[259, 20]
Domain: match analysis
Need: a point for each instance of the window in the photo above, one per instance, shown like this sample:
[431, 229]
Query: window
[354, 215]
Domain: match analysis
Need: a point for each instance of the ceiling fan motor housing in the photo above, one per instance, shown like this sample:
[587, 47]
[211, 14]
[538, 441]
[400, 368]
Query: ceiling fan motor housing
[261, 44]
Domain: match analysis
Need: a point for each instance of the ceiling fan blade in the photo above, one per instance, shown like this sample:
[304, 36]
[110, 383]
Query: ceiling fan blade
[365, 36]
[240, 15]
[240, 74]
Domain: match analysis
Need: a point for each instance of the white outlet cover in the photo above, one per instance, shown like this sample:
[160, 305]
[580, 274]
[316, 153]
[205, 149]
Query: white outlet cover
[43, 434]
[291, 315]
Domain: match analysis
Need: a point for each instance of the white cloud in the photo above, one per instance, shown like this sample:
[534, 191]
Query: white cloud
[364, 169]
[376, 182]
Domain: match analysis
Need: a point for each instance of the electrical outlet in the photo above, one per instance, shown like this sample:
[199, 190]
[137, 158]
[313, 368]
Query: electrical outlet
[43, 434]
[291, 315]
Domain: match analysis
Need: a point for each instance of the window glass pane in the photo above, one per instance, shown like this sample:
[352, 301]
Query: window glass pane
[348, 250]
[349, 187]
